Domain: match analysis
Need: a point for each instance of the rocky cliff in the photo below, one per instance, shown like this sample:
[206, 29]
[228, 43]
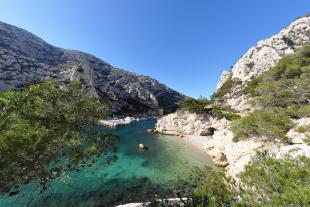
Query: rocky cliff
[220, 144]
[26, 59]
[262, 57]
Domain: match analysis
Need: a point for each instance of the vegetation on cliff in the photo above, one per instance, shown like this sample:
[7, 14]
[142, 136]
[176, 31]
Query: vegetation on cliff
[204, 106]
[225, 88]
[286, 85]
[44, 131]
[281, 93]
[262, 124]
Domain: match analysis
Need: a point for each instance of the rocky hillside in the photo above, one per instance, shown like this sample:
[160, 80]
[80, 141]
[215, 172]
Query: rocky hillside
[262, 57]
[26, 59]
[268, 89]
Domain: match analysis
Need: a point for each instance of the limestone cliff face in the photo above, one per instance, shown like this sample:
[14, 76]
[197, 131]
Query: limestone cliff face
[257, 60]
[263, 56]
[220, 146]
[185, 123]
[26, 59]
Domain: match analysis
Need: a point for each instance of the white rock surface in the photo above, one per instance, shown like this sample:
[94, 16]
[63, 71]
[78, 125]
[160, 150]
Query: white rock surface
[237, 154]
[294, 135]
[171, 201]
[221, 148]
[185, 123]
[294, 150]
[265, 55]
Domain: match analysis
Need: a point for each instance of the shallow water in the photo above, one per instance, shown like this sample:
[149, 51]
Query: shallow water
[136, 175]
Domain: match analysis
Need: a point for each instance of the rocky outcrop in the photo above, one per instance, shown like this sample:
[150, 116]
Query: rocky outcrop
[295, 135]
[220, 146]
[26, 59]
[185, 123]
[263, 56]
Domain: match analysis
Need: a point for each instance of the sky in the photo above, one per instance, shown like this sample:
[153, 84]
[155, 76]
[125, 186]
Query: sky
[185, 44]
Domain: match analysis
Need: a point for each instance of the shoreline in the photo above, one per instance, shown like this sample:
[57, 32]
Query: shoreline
[113, 122]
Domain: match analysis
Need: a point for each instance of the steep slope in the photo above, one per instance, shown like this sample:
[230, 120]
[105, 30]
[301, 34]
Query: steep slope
[288, 121]
[26, 59]
[262, 57]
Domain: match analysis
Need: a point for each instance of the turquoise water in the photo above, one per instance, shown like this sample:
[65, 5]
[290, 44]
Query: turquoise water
[134, 175]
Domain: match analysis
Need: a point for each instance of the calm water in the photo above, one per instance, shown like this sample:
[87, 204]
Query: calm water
[136, 175]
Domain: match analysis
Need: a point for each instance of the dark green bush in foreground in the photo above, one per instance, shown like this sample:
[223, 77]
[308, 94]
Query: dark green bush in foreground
[43, 124]
[214, 189]
[266, 181]
[277, 182]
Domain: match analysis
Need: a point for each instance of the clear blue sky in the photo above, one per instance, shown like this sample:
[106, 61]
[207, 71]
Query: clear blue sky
[185, 44]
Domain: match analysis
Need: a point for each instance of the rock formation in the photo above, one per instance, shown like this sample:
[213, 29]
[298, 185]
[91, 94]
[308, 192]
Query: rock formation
[263, 56]
[220, 146]
[26, 59]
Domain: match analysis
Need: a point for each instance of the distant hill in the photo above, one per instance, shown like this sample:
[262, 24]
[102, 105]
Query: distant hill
[27, 59]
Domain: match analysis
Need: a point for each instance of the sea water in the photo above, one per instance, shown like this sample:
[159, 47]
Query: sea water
[134, 175]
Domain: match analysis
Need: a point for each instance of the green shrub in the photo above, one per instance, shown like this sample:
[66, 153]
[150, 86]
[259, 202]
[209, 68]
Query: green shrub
[262, 124]
[303, 129]
[194, 105]
[307, 140]
[276, 182]
[217, 112]
[43, 124]
[285, 85]
[214, 189]
[225, 88]
[266, 181]
[294, 112]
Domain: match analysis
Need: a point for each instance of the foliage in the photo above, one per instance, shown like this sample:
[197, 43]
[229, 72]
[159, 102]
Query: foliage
[303, 129]
[214, 189]
[307, 140]
[281, 93]
[285, 85]
[266, 181]
[208, 187]
[220, 113]
[202, 105]
[43, 124]
[276, 182]
[225, 88]
[197, 106]
[262, 124]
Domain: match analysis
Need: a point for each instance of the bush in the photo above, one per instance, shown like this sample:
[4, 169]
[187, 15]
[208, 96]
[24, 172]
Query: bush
[219, 113]
[214, 189]
[262, 124]
[285, 85]
[303, 129]
[276, 182]
[294, 112]
[197, 106]
[200, 106]
[43, 124]
[266, 181]
[225, 88]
